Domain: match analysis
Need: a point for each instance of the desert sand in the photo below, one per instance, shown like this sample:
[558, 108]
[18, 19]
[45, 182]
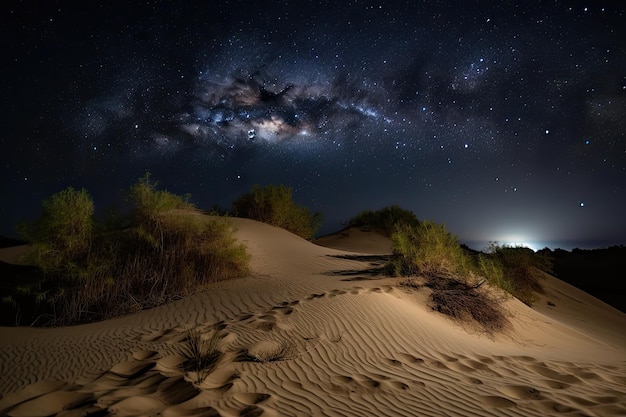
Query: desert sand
[333, 340]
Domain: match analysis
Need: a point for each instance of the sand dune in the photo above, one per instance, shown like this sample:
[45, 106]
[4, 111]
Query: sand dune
[313, 332]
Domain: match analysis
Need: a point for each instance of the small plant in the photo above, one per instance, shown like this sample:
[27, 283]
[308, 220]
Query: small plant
[201, 354]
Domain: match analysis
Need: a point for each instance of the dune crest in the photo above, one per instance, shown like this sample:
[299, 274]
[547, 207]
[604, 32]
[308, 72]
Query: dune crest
[314, 332]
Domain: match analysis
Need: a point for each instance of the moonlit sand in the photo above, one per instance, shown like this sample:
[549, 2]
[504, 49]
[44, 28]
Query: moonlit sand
[335, 344]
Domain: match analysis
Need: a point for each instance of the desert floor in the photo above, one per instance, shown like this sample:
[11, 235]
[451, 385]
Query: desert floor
[312, 332]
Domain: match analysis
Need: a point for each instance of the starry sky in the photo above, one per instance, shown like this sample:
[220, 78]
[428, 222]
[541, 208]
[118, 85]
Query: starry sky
[504, 120]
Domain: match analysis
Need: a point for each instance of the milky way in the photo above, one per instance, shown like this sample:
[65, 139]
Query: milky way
[504, 121]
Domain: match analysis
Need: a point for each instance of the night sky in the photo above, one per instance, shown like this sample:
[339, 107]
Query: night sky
[504, 120]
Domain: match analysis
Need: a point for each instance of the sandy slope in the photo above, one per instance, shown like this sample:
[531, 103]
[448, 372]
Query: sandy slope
[348, 344]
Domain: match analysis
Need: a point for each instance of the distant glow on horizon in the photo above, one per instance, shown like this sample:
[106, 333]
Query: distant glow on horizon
[520, 240]
[529, 245]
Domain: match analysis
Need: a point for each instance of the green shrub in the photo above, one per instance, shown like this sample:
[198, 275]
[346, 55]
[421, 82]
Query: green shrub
[164, 251]
[522, 267]
[385, 220]
[492, 269]
[147, 200]
[428, 249]
[274, 204]
[61, 245]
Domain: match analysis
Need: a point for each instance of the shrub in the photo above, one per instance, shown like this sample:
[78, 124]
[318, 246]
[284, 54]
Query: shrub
[428, 249]
[492, 269]
[61, 246]
[384, 221]
[64, 230]
[148, 201]
[164, 251]
[522, 268]
[274, 204]
[466, 302]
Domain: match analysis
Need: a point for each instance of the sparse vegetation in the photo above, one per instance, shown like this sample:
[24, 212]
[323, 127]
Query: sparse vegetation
[464, 302]
[201, 354]
[517, 270]
[492, 269]
[384, 221]
[164, 250]
[273, 204]
[428, 250]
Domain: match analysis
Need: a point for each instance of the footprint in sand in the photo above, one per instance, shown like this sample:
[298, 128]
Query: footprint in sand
[29, 392]
[475, 365]
[283, 310]
[251, 411]
[520, 392]
[175, 391]
[393, 362]
[496, 402]
[397, 385]
[265, 322]
[474, 381]
[549, 407]
[544, 370]
[356, 290]
[251, 398]
[437, 364]
[410, 358]
[314, 296]
[132, 369]
[549, 383]
[52, 403]
[141, 355]
[359, 382]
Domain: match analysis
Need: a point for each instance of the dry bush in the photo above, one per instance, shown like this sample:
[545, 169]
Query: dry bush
[464, 302]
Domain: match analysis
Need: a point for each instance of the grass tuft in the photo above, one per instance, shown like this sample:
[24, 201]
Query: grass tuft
[201, 354]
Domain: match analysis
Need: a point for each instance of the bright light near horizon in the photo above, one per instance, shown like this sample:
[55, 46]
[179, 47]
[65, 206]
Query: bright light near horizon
[522, 244]
[519, 239]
